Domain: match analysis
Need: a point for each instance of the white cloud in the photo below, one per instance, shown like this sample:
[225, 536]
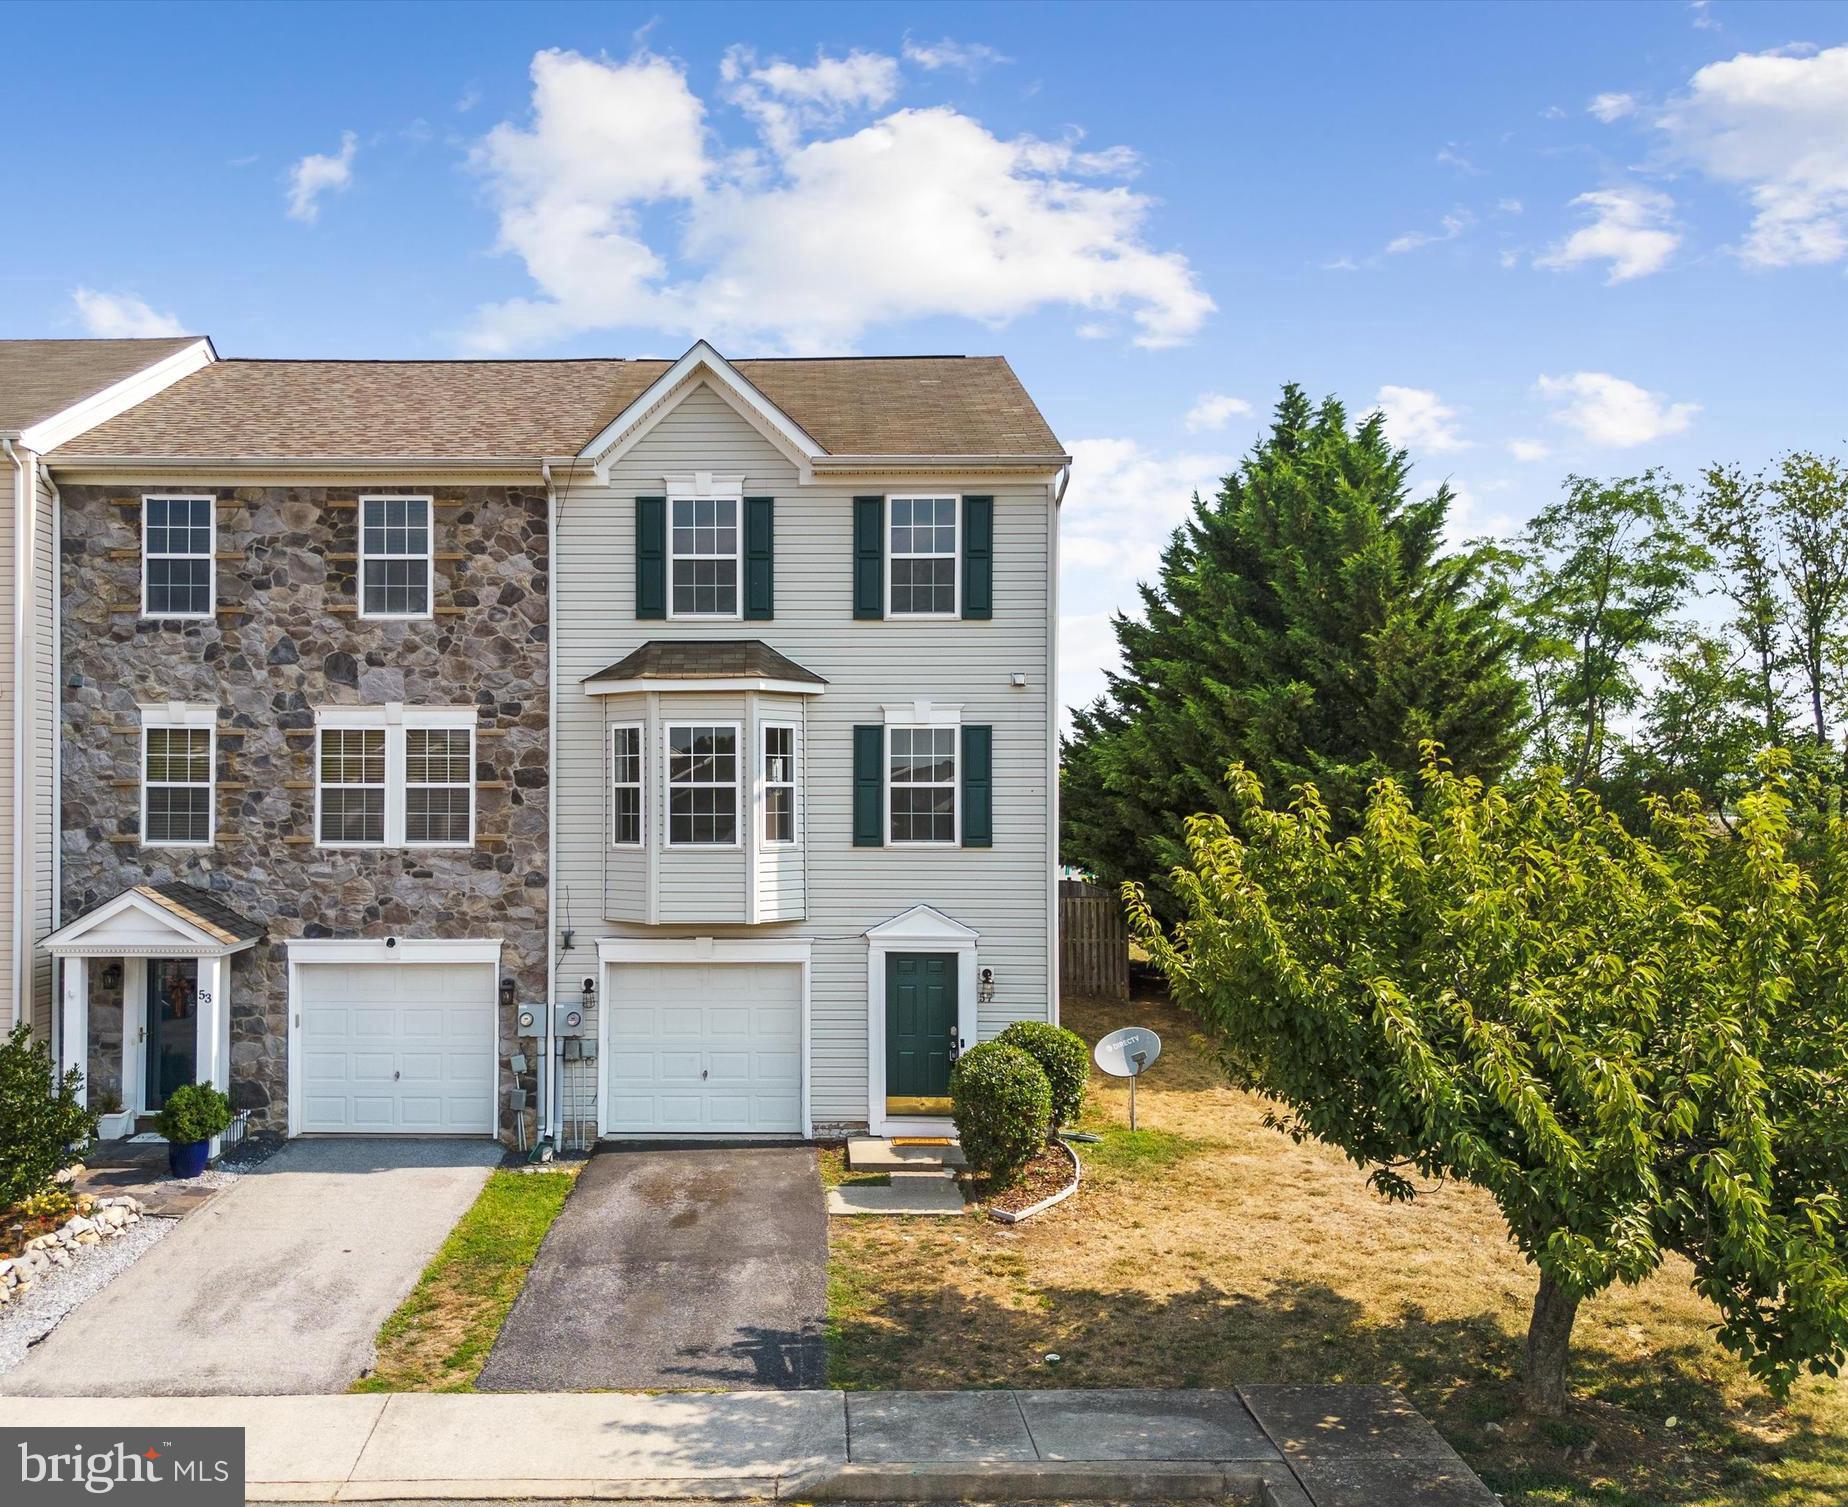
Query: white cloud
[468, 98]
[1609, 411]
[1776, 125]
[1215, 410]
[1702, 20]
[1417, 419]
[921, 213]
[1528, 450]
[1451, 226]
[1509, 206]
[1469, 519]
[787, 100]
[1629, 229]
[1610, 107]
[319, 173]
[121, 316]
[1451, 156]
[966, 57]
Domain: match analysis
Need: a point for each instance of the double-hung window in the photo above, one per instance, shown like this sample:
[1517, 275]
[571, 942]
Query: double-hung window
[395, 777]
[703, 557]
[177, 755]
[921, 784]
[921, 557]
[395, 557]
[702, 785]
[178, 573]
[626, 826]
[779, 745]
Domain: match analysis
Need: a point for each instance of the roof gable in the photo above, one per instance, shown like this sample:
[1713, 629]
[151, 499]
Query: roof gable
[53, 390]
[153, 920]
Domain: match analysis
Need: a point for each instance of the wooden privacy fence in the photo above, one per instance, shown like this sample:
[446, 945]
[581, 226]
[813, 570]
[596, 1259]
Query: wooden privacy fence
[1093, 941]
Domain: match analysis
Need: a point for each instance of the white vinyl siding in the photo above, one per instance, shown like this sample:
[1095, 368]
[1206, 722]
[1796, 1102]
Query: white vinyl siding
[825, 888]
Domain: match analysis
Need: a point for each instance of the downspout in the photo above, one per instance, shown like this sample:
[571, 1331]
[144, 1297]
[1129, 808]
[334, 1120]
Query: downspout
[550, 1073]
[22, 485]
[1052, 750]
[56, 835]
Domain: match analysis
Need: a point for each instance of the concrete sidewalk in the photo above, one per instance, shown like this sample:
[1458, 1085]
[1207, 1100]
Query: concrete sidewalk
[1278, 1446]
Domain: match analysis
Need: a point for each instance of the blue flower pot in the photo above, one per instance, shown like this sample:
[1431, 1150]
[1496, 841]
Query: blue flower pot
[187, 1158]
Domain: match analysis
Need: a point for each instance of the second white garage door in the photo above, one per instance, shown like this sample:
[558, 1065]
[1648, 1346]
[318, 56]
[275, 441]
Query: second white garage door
[703, 1049]
[396, 1048]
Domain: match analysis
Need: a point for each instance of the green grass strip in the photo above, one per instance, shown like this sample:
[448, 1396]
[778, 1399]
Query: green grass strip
[440, 1336]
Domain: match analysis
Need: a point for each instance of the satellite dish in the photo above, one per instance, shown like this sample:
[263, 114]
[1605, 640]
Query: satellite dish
[1128, 1052]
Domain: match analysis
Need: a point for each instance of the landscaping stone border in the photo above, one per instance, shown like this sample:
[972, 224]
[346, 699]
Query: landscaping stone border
[96, 1221]
[1006, 1216]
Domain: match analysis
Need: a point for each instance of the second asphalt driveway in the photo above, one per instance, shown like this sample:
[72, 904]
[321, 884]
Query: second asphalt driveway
[278, 1285]
[701, 1268]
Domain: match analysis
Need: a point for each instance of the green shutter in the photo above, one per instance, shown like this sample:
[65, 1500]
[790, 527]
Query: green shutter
[869, 787]
[651, 557]
[869, 557]
[978, 592]
[978, 786]
[759, 558]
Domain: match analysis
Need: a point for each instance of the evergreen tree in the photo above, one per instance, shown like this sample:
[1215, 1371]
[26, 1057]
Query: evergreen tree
[1308, 624]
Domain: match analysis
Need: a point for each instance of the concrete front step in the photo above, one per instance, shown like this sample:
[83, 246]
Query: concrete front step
[872, 1154]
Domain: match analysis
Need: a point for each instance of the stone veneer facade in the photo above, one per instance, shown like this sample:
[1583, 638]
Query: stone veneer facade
[287, 638]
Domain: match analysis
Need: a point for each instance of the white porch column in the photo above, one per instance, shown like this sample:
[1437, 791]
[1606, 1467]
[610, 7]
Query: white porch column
[74, 1036]
[213, 1047]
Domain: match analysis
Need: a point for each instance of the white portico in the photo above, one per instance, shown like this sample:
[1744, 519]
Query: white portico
[157, 957]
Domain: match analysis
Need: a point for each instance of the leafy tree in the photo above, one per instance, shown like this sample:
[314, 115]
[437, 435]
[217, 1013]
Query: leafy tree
[40, 1117]
[1633, 1046]
[1735, 519]
[1307, 621]
[1600, 576]
[1809, 507]
[1699, 731]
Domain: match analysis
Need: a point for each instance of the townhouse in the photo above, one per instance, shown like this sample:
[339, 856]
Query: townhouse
[611, 747]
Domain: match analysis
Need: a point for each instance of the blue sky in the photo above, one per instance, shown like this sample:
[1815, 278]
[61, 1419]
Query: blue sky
[1546, 238]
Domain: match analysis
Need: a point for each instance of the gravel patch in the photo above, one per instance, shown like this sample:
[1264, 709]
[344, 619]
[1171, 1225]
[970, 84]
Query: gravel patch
[212, 1177]
[25, 1321]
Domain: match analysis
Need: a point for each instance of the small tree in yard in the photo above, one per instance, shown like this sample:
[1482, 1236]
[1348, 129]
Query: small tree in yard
[1634, 1046]
[40, 1117]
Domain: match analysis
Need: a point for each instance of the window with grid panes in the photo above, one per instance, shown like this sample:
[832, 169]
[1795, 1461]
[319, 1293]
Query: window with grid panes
[394, 557]
[922, 556]
[176, 554]
[626, 786]
[176, 778]
[704, 557]
[439, 786]
[702, 785]
[351, 767]
[921, 784]
[779, 784]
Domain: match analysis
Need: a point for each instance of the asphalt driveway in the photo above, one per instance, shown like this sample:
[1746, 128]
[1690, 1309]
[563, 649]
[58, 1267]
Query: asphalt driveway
[278, 1285]
[688, 1268]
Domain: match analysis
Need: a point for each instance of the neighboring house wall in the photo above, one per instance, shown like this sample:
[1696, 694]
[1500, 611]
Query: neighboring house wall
[284, 640]
[42, 912]
[9, 647]
[1002, 892]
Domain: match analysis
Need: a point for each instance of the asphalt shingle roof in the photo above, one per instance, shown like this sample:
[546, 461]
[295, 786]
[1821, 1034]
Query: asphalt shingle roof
[199, 907]
[40, 378]
[468, 410]
[706, 659]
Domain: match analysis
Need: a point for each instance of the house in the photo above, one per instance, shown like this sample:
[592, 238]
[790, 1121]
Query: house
[623, 747]
[50, 391]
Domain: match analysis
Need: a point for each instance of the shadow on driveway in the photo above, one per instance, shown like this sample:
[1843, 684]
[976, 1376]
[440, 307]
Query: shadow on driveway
[676, 1268]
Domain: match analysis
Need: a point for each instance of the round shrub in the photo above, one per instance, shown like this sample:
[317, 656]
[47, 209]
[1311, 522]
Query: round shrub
[1002, 1105]
[1062, 1057]
[193, 1112]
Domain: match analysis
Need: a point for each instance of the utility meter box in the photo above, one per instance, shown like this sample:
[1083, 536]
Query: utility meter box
[529, 1018]
[568, 1018]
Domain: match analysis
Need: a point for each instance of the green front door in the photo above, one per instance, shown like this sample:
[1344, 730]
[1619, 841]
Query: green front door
[920, 1031]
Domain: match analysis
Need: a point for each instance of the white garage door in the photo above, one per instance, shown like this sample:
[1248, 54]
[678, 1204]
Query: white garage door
[396, 1048]
[695, 1049]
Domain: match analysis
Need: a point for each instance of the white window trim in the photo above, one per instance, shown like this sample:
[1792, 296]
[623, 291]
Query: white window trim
[793, 785]
[182, 716]
[639, 786]
[737, 557]
[668, 787]
[405, 801]
[956, 801]
[955, 556]
[429, 557]
[394, 718]
[211, 558]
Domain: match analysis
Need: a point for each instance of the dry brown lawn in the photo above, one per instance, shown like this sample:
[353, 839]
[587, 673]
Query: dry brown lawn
[1207, 1250]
